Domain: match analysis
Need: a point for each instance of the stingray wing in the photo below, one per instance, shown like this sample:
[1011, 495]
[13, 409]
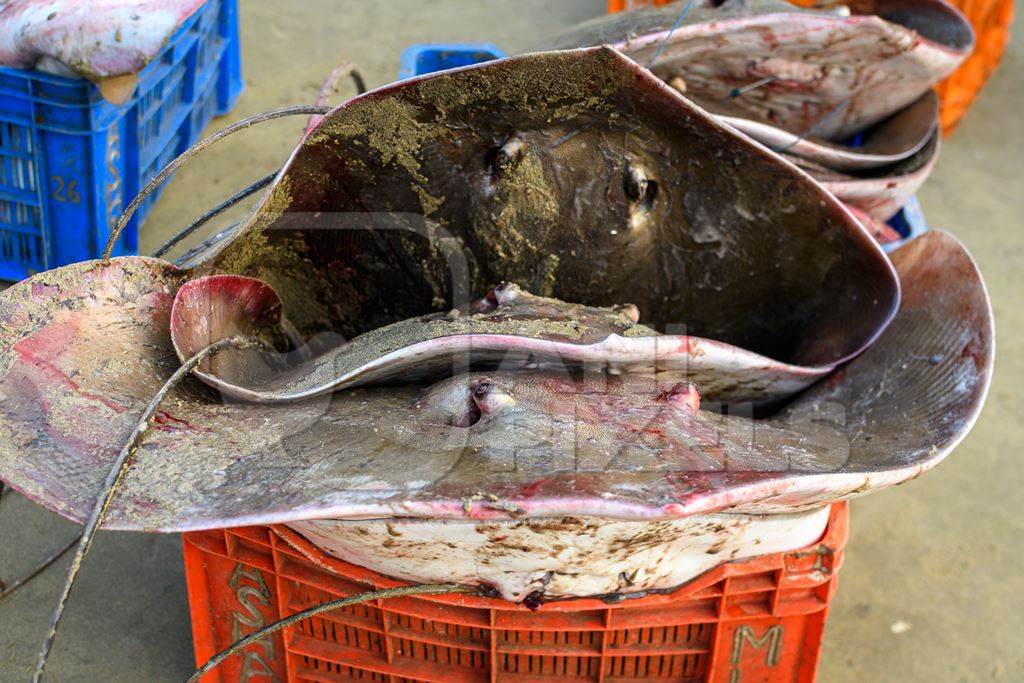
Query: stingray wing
[896, 138]
[89, 345]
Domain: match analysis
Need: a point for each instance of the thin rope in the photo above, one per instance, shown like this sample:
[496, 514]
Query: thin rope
[738, 92]
[333, 83]
[18, 583]
[664, 43]
[166, 171]
[424, 589]
[215, 211]
[817, 124]
[113, 480]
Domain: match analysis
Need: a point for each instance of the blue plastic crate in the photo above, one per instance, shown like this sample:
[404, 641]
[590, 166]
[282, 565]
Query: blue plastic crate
[909, 223]
[70, 161]
[428, 58]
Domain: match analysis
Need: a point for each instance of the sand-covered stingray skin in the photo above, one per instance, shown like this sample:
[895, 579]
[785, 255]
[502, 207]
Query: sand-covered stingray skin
[578, 176]
[834, 73]
[86, 346]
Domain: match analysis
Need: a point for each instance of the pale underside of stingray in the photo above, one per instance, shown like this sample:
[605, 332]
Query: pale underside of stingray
[561, 557]
[823, 73]
[96, 39]
[480, 446]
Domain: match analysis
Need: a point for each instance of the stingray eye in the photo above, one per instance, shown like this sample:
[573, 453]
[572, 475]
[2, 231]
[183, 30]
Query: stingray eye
[491, 399]
[482, 389]
[500, 159]
[638, 187]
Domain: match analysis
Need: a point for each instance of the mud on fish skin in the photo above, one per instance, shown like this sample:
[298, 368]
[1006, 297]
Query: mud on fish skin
[604, 236]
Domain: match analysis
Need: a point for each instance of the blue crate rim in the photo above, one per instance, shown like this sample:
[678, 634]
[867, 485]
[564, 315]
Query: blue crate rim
[195, 76]
[409, 63]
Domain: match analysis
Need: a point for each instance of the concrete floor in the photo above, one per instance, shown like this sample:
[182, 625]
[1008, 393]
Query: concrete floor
[933, 582]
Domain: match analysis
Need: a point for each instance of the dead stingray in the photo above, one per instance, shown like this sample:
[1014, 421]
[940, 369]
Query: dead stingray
[825, 73]
[881, 192]
[580, 177]
[896, 138]
[561, 557]
[509, 328]
[476, 445]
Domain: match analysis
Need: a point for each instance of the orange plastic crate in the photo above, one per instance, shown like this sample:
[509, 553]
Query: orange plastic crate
[752, 620]
[991, 20]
